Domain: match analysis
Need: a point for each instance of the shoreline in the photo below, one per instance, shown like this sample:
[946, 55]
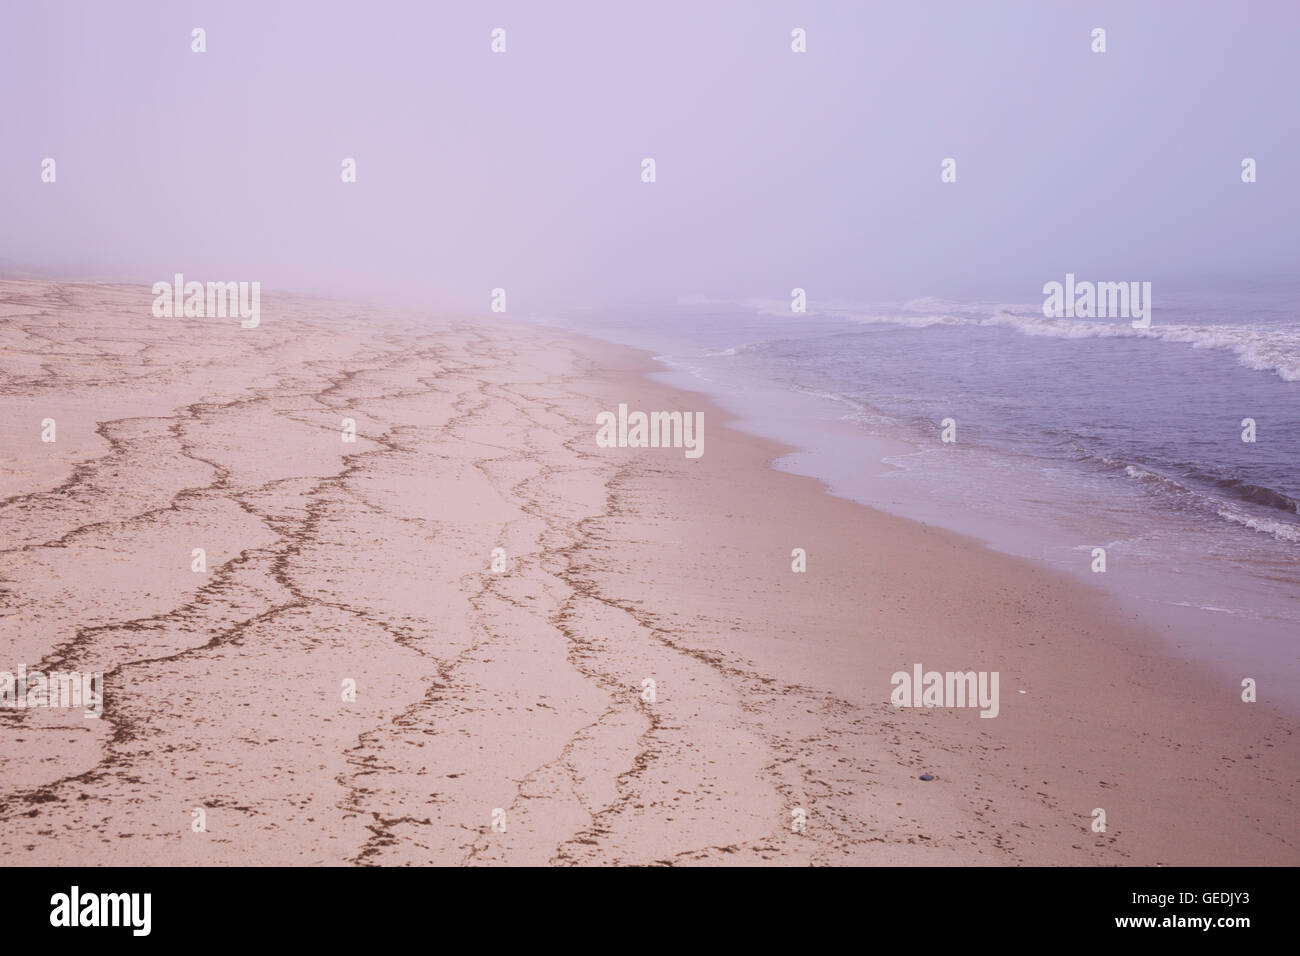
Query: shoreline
[1155, 574]
[1120, 648]
[524, 690]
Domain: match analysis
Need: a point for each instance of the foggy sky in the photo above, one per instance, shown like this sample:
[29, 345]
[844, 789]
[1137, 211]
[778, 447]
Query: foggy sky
[522, 170]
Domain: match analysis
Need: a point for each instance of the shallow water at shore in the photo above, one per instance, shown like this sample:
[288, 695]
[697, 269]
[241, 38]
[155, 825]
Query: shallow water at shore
[1071, 437]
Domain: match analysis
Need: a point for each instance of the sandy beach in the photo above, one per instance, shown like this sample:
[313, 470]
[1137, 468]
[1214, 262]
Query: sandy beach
[500, 589]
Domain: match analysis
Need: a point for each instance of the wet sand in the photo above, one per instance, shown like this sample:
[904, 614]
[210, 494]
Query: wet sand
[522, 690]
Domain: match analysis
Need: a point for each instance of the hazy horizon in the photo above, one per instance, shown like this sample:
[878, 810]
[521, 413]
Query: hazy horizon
[522, 169]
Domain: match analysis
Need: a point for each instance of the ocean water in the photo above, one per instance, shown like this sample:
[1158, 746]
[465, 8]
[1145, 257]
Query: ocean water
[1072, 434]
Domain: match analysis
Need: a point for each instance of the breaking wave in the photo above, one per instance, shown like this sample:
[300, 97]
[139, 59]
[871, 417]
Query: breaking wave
[1275, 350]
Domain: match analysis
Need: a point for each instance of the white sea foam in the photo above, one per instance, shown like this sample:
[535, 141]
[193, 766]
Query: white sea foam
[1281, 530]
[911, 321]
[1204, 607]
[733, 351]
[1265, 349]
[859, 412]
[1271, 349]
[1133, 471]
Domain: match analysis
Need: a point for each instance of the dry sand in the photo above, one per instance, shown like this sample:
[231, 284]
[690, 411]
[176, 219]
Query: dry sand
[522, 690]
